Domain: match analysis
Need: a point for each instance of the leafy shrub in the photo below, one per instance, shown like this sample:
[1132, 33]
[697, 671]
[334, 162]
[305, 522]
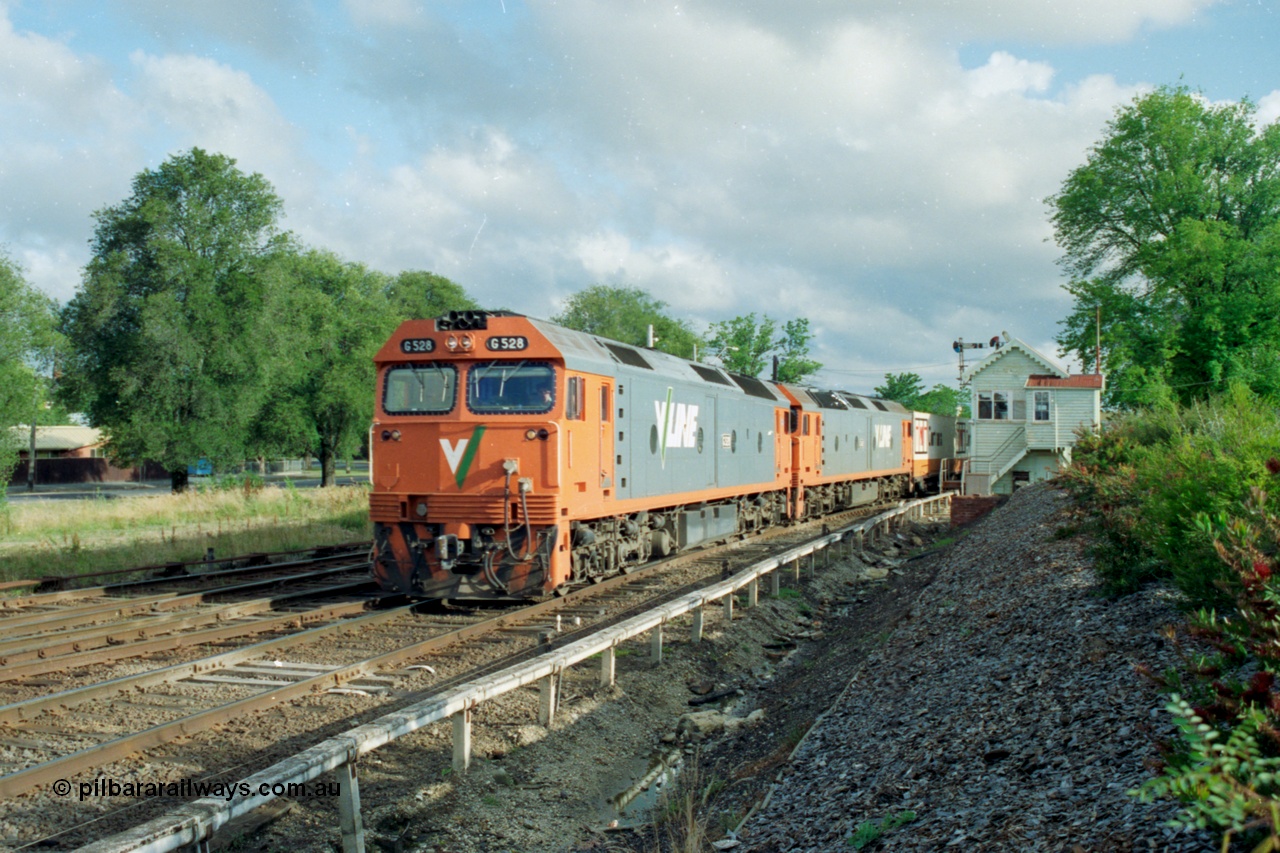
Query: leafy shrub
[1229, 785]
[1226, 762]
[1149, 476]
[1104, 479]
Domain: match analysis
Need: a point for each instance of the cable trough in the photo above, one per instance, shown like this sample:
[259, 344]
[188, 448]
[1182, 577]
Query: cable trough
[194, 823]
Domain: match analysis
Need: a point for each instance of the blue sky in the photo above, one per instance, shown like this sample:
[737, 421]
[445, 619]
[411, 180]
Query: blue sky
[879, 167]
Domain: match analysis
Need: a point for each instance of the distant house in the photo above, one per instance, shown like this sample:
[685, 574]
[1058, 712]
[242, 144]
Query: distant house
[60, 442]
[1026, 411]
[71, 454]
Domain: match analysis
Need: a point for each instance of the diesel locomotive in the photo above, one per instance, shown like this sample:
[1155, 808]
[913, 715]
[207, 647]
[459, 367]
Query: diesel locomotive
[511, 457]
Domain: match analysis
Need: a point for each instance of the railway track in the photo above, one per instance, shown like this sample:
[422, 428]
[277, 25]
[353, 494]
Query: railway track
[387, 658]
[159, 572]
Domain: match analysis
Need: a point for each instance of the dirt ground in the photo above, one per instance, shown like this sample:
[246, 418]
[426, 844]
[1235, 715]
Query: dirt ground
[570, 787]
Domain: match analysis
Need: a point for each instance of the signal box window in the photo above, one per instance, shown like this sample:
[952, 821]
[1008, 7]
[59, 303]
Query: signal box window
[1040, 403]
[416, 389]
[504, 387]
[993, 406]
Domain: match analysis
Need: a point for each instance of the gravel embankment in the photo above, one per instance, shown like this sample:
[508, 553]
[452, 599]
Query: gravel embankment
[1004, 712]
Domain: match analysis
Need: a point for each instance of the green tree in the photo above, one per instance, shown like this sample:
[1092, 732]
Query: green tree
[1172, 228]
[334, 316]
[944, 400]
[742, 344]
[625, 314]
[420, 295]
[168, 336]
[27, 342]
[908, 389]
[904, 388]
[745, 345]
[794, 364]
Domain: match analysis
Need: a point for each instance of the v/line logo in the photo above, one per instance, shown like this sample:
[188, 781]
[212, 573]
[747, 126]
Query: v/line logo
[461, 455]
[677, 424]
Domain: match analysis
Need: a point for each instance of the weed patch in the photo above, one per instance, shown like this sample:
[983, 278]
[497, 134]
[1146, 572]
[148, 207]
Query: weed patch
[871, 831]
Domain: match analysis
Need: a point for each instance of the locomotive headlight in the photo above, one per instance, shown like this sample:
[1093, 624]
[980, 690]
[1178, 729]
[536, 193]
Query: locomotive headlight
[530, 434]
[452, 343]
[466, 343]
[395, 435]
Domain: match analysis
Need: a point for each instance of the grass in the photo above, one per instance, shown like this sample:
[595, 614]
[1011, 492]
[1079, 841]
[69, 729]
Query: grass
[871, 831]
[679, 817]
[77, 537]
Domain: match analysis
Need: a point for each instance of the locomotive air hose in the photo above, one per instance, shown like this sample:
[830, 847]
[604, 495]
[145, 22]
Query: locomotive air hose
[506, 521]
[490, 575]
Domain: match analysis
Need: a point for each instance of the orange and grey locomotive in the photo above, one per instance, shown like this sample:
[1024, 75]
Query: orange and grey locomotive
[511, 456]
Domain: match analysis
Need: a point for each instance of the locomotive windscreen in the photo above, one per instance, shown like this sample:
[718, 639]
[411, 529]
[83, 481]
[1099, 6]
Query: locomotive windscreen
[505, 386]
[420, 389]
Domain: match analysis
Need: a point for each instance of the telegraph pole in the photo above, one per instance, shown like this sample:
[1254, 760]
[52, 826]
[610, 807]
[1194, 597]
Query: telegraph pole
[31, 452]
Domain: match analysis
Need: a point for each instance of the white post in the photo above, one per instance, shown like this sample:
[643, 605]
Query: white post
[462, 741]
[608, 667]
[655, 645]
[698, 623]
[349, 808]
[753, 593]
[547, 700]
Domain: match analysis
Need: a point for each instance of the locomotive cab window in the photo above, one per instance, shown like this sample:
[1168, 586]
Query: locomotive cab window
[575, 395]
[507, 387]
[414, 389]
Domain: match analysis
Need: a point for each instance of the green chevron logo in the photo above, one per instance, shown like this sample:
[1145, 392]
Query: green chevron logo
[461, 455]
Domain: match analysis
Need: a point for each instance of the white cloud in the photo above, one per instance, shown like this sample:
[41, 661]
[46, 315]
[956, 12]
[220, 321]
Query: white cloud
[1005, 74]
[835, 161]
[1047, 21]
[203, 103]
[1269, 108]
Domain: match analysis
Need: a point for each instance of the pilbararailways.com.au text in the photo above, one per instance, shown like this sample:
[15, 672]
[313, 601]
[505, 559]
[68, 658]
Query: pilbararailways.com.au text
[193, 789]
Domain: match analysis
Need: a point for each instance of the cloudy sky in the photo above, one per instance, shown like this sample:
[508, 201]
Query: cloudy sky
[878, 166]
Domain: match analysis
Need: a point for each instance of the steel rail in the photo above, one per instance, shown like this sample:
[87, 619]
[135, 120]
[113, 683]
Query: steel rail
[24, 780]
[319, 552]
[53, 621]
[114, 649]
[95, 756]
[43, 644]
[17, 712]
[40, 598]
[195, 822]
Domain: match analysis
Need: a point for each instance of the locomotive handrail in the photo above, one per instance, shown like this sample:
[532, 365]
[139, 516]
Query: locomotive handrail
[195, 822]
